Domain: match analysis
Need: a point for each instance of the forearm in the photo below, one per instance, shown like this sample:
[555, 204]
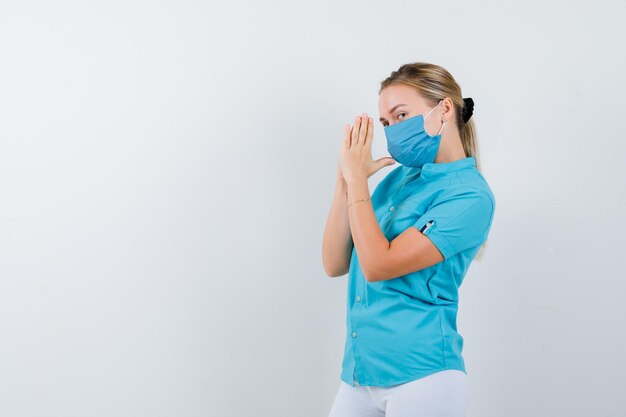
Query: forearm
[370, 242]
[337, 242]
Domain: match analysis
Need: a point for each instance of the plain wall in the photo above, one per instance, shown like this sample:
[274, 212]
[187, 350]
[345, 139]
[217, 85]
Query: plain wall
[166, 169]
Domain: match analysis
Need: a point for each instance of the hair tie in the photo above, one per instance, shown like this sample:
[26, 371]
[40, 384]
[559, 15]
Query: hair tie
[468, 109]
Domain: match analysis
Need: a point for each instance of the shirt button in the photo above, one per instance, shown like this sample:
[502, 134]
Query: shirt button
[358, 298]
[392, 208]
[353, 334]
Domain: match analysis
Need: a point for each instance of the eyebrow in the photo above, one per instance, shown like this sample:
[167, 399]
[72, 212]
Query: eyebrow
[392, 110]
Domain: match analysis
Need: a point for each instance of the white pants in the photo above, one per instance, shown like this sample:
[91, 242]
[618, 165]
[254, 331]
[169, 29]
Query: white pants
[442, 394]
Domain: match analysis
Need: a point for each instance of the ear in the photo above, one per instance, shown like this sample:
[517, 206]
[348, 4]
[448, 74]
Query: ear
[447, 106]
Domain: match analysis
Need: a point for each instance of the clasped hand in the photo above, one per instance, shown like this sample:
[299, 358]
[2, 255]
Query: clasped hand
[356, 161]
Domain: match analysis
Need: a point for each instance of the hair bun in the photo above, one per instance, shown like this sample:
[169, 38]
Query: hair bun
[468, 108]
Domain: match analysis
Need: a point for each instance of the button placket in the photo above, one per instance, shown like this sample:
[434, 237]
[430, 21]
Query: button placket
[397, 197]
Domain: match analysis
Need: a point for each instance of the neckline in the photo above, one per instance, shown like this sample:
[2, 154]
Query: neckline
[457, 165]
[436, 168]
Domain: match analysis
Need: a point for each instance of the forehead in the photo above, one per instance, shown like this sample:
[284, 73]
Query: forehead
[395, 94]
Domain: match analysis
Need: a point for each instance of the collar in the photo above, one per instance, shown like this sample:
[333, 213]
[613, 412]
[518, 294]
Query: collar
[431, 169]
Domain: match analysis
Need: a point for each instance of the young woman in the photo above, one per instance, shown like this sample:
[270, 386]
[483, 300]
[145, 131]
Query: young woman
[407, 248]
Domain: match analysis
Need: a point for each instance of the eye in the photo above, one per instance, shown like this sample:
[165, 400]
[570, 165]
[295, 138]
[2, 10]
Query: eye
[385, 123]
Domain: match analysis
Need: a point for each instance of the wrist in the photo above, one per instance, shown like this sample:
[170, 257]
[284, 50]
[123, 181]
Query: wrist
[341, 184]
[356, 181]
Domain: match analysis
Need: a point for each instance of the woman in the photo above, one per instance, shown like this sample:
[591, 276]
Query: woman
[407, 248]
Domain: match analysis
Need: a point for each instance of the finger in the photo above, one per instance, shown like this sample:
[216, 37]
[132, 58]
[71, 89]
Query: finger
[346, 136]
[383, 162]
[387, 161]
[363, 129]
[370, 132]
[355, 131]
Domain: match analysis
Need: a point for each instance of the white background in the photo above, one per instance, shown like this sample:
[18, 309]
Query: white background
[166, 168]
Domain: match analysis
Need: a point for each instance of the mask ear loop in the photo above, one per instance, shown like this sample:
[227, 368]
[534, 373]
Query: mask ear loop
[444, 123]
[431, 110]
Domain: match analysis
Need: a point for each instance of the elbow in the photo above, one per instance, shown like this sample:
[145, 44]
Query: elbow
[329, 272]
[371, 275]
[333, 272]
[375, 270]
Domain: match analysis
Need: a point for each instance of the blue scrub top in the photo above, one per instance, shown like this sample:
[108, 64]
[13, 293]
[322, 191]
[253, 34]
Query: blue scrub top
[404, 328]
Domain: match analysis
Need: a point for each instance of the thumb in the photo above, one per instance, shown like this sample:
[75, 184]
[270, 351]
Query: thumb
[385, 161]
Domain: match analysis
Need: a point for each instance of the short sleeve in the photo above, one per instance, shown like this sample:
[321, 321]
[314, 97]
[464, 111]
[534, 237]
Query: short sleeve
[458, 220]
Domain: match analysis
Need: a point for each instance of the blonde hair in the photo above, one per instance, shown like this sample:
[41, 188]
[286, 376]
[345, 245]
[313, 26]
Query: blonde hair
[435, 83]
